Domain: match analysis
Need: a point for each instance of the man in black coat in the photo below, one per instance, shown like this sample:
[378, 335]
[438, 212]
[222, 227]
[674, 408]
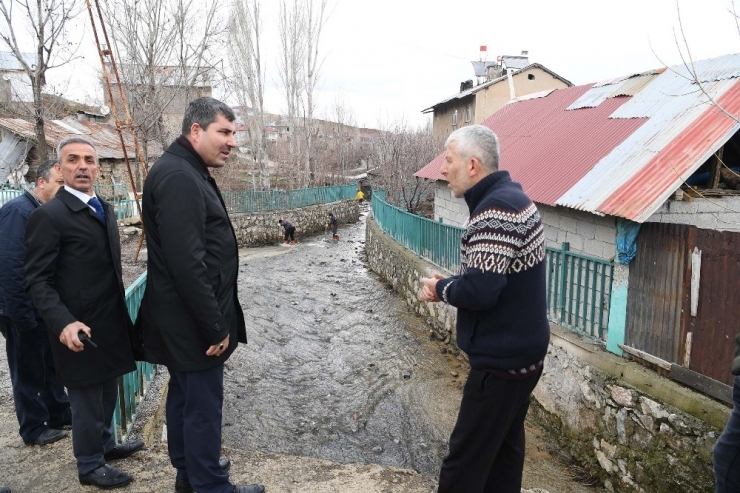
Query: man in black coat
[190, 317]
[41, 405]
[73, 276]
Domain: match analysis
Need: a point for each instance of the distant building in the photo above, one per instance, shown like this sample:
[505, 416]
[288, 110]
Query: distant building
[174, 89]
[15, 86]
[499, 82]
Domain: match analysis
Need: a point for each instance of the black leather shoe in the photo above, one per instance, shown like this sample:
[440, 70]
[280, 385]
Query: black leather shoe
[249, 488]
[47, 437]
[106, 477]
[5, 489]
[183, 485]
[124, 450]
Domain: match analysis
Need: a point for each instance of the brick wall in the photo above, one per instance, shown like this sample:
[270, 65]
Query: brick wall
[721, 214]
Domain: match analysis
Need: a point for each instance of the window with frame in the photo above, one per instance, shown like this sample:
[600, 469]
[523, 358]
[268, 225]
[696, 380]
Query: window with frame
[454, 119]
[468, 114]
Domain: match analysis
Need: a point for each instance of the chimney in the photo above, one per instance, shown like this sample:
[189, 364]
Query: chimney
[483, 53]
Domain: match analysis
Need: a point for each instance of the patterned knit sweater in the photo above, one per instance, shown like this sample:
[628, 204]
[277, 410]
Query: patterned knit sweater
[501, 292]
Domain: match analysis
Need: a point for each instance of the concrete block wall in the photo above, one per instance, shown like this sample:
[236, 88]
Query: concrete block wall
[451, 210]
[718, 213]
[587, 233]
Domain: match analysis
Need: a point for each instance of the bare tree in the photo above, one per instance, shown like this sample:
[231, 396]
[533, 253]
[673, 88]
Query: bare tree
[300, 25]
[315, 17]
[46, 20]
[400, 152]
[290, 70]
[166, 51]
[246, 31]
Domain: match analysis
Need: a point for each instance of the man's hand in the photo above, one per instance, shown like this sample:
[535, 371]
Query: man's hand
[218, 349]
[69, 338]
[429, 291]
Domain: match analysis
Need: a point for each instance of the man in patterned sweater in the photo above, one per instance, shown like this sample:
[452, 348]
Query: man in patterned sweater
[501, 316]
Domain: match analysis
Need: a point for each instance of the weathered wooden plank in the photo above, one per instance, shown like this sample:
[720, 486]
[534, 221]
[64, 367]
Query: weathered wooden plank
[702, 383]
[666, 365]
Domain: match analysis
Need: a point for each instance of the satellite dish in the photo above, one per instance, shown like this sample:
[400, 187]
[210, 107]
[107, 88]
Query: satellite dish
[104, 110]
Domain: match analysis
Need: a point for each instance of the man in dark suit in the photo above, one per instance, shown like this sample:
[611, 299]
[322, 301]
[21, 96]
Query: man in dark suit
[41, 405]
[190, 316]
[73, 276]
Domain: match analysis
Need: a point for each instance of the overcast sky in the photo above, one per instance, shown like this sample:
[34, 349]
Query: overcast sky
[390, 59]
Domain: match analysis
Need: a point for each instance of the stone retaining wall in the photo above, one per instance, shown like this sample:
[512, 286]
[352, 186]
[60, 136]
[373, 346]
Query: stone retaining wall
[261, 228]
[624, 424]
[403, 269]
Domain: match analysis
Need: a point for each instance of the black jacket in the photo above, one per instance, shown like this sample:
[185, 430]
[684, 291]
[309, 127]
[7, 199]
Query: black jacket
[14, 303]
[73, 273]
[190, 301]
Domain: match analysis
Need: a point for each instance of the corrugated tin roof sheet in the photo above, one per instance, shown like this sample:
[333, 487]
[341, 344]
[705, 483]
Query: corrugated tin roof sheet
[585, 159]
[13, 151]
[104, 137]
[515, 62]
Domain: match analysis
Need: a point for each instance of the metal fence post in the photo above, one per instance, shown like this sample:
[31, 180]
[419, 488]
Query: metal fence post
[563, 278]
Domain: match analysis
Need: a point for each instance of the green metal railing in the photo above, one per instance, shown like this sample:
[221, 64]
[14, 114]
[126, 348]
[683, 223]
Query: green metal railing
[132, 386]
[578, 286]
[125, 208]
[439, 243]
[273, 200]
[8, 194]
[578, 291]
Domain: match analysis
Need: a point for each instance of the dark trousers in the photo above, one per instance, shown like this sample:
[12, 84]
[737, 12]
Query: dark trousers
[92, 419]
[487, 444]
[289, 233]
[726, 454]
[39, 398]
[194, 403]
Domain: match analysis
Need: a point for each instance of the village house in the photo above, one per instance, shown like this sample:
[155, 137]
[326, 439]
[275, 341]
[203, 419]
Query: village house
[18, 140]
[637, 177]
[497, 83]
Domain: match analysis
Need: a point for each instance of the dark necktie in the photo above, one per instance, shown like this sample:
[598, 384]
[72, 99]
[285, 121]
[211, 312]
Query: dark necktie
[95, 204]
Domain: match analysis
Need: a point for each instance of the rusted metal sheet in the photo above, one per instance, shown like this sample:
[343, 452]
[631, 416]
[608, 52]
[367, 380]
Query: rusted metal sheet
[718, 317]
[103, 136]
[658, 291]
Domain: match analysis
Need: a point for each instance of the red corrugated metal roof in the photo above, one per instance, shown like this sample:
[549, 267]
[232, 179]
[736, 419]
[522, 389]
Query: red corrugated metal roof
[538, 146]
[698, 140]
[613, 154]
